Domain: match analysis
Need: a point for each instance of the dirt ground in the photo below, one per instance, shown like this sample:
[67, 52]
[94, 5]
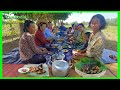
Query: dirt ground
[7, 47]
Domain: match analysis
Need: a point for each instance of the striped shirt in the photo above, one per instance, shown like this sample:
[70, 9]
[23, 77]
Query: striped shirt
[96, 45]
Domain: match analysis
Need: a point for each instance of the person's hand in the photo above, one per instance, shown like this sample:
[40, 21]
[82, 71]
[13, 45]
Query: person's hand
[52, 45]
[77, 54]
[71, 38]
[44, 49]
[80, 54]
[44, 52]
[80, 51]
[71, 42]
[50, 52]
[51, 40]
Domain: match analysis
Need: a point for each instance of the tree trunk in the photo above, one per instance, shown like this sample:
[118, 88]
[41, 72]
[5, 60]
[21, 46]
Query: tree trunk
[58, 22]
[21, 26]
[54, 22]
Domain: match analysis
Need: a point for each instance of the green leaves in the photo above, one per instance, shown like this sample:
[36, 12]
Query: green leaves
[87, 60]
[35, 16]
[60, 16]
[38, 16]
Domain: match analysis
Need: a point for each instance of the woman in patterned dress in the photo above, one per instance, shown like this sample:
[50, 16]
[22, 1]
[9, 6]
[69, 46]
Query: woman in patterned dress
[29, 52]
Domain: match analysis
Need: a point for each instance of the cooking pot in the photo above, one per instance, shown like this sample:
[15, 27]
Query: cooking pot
[60, 68]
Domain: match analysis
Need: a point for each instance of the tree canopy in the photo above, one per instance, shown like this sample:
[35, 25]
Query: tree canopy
[38, 17]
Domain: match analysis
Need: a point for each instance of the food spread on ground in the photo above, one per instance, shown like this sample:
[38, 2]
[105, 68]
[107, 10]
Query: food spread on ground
[113, 57]
[65, 46]
[90, 69]
[39, 69]
[65, 50]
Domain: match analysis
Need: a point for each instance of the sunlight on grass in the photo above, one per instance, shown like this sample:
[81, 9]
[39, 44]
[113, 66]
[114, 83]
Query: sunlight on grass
[10, 40]
[111, 33]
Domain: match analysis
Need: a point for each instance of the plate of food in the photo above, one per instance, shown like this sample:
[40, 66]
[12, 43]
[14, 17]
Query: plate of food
[37, 69]
[87, 67]
[54, 45]
[109, 56]
[114, 57]
[60, 40]
[65, 46]
[65, 50]
[23, 70]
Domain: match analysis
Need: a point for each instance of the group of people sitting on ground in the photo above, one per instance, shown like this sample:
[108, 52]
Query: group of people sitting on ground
[36, 37]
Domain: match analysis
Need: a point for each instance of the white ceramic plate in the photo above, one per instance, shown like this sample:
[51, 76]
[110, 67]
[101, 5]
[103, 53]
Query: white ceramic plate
[23, 70]
[45, 67]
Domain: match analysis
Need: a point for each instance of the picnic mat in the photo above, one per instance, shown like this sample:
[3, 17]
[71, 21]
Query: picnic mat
[12, 57]
[11, 70]
[105, 56]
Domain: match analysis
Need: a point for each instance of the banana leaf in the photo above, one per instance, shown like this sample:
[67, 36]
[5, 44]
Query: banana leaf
[79, 65]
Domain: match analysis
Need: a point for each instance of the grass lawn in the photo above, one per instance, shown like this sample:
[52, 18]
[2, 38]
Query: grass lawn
[111, 33]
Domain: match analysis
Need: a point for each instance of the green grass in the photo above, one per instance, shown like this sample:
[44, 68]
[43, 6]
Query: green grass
[111, 33]
[1, 45]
